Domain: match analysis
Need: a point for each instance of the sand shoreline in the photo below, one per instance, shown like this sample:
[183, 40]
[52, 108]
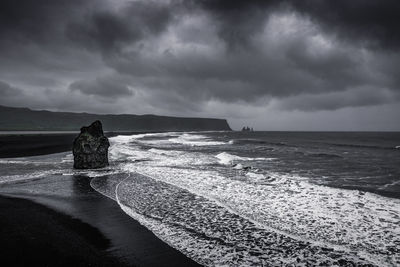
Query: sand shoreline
[35, 144]
[100, 233]
[33, 235]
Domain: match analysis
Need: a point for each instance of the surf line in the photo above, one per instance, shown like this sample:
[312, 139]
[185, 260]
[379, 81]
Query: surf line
[307, 241]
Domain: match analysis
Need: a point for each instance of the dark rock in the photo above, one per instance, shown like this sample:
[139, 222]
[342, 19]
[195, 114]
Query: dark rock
[247, 129]
[90, 148]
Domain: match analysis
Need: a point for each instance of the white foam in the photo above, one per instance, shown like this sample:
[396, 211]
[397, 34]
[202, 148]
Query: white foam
[68, 159]
[390, 184]
[9, 179]
[238, 166]
[228, 159]
[332, 217]
[336, 218]
[210, 234]
[166, 152]
[121, 151]
[255, 176]
[195, 140]
[177, 138]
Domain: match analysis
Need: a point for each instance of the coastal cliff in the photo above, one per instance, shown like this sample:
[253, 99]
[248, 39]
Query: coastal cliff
[24, 119]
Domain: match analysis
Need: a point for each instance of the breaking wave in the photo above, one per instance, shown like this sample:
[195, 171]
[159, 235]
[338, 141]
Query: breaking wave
[219, 216]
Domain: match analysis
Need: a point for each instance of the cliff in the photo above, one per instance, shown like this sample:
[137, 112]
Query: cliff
[24, 119]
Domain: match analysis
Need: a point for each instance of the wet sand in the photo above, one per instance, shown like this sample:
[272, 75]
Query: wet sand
[34, 144]
[33, 235]
[76, 226]
[23, 145]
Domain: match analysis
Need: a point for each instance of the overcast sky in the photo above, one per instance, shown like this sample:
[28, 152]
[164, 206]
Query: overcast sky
[272, 65]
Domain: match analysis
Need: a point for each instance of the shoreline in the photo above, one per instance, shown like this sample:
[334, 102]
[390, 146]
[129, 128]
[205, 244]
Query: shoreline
[14, 145]
[33, 235]
[36, 144]
[89, 220]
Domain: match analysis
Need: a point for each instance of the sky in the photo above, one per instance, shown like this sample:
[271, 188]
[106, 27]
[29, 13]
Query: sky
[269, 64]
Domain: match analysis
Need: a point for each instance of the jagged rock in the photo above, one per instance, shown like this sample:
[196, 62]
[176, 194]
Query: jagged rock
[90, 148]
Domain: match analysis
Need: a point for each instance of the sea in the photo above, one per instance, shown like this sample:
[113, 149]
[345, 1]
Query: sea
[249, 198]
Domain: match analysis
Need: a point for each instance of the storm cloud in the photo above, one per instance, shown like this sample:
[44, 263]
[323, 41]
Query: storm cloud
[101, 87]
[204, 58]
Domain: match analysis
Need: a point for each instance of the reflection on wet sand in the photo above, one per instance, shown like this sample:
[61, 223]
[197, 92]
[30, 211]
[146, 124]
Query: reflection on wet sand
[73, 195]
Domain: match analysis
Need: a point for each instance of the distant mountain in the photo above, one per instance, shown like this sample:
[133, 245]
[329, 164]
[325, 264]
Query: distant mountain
[24, 119]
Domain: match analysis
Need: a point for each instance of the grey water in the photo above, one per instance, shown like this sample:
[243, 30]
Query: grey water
[249, 198]
[365, 161]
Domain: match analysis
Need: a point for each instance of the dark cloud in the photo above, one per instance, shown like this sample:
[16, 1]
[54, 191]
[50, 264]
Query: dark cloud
[373, 23]
[200, 57]
[6, 90]
[37, 21]
[108, 30]
[292, 66]
[238, 21]
[101, 87]
[336, 100]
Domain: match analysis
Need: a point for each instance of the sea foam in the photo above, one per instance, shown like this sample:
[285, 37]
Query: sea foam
[361, 225]
[226, 158]
[212, 234]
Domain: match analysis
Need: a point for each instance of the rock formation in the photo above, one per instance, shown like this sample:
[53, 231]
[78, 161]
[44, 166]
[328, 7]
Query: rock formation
[247, 129]
[90, 148]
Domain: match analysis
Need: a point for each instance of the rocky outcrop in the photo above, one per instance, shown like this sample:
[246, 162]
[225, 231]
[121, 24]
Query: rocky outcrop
[90, 148]
[247, 129]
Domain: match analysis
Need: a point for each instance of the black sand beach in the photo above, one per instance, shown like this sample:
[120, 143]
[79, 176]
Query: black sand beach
[23, 145]
[34, 144]
[33, 235]
[85, 229]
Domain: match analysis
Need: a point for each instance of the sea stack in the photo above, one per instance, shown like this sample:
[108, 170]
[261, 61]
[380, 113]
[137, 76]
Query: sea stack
[90, 148]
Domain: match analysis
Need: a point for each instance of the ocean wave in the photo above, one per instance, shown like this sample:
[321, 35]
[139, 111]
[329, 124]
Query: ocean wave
[195, 140]
[323, 155]
[295, 207]
[24, 162]
[171, 138]
[167, 157]
[166, 152]
[107, 184]
[18, 178]
[214, 235]
[39, 160]
[254, 141]
[392, 184]
[361, 146]
[288, 204]
[226, 158]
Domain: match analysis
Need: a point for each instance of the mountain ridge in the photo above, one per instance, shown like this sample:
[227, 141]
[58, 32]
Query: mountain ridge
[26, 119]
